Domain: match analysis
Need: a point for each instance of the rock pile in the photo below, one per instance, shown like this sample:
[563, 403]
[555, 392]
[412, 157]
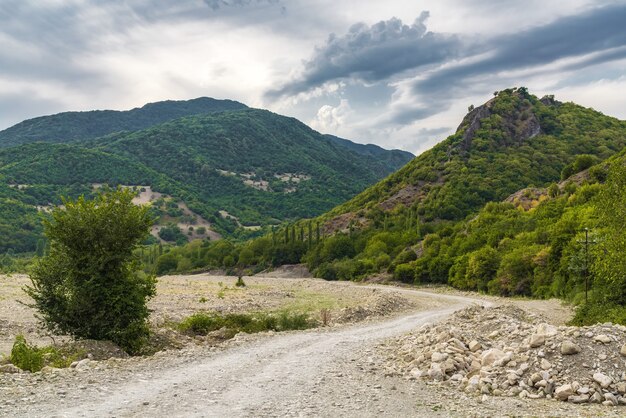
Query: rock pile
[506, 351]
[379, 304]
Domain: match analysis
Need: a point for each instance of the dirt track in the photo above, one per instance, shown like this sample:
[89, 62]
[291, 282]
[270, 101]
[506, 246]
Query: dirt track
[322, 372]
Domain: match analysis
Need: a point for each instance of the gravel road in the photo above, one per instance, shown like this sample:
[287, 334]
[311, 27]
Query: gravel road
[322, 372]
[325, 372]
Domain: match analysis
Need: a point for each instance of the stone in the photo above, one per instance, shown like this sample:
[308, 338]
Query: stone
[569, 348]
[491, 356]
[474, 346]
[603, 338]
[437, 357]
[537, 340]
[10, 368]
[610, 398]
[563, 392]
[621, 387]
[435, 372]
[596, 398]
[578, 398]
[84, 364]
[546, 330]
[602, 357]
[535, 377]
[623, 350]
[545, 364]
[583, 390]
[603, 380]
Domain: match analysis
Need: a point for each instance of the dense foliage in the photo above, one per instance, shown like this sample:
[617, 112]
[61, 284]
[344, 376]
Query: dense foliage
[204, 161]
[496, 152]
[71, 126]
[88, 284]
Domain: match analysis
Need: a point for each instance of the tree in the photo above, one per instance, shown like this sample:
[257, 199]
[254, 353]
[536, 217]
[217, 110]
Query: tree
[89, 284]
[609, 266]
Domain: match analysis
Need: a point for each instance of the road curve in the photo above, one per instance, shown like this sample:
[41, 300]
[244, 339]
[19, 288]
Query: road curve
[312, 373]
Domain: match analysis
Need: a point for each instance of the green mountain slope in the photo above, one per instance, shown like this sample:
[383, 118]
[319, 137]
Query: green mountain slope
[421, 223]
[234, 161]
[228, 171]
[71, 126]
[390, 158]
[513, 141]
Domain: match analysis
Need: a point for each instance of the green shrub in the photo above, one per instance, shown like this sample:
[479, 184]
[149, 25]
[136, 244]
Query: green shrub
[404, 273]
[89, 285]
[240, 282]
[593, 313]
[203, 323]
[287, 321]
[26, 356]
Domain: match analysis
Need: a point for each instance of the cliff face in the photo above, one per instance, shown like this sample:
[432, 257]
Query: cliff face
[518, 120]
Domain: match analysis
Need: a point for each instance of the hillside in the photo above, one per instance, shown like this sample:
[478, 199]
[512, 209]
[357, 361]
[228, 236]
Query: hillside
[72, 126]
[511, 142]
[443, 217]
[392, 158]
[224, 173]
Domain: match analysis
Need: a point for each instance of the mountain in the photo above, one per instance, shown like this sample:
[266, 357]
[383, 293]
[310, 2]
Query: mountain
[226, 172]
[392, 158]
[72, 126]
[498, 206]
[515, 140]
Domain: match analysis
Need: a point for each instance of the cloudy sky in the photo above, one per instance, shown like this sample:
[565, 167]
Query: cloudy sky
[398, 73]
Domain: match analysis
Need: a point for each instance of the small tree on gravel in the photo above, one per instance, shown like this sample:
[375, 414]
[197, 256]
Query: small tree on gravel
[89, 285]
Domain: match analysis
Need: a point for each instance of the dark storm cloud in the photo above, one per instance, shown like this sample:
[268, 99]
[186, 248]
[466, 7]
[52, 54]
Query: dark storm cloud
[599, 31]
[373, 53]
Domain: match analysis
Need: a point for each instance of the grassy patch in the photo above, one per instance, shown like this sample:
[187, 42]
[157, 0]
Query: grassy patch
[32, 358]
[593, 313]
[203, 323]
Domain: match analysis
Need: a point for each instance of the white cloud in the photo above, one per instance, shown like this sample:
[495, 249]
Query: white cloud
[331, 119]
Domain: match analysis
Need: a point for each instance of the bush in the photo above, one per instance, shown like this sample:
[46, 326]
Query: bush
[594, 313]
[89, 284]
[203, 323]
[404, 273]
[26, 356]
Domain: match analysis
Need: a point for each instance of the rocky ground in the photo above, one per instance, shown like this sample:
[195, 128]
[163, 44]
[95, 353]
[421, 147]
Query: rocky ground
[180, 296]
[511, 358]
[507, 351]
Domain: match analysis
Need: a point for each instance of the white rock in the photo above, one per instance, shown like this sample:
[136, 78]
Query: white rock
[546, 330]
[491, 356]
[563, 392]
[623, 350]
[602, 379]
[545, 364]
[475, 346]
[437, 356]
[568, 348]
[611, 398]
[621, 387]
[537, 340]
[603, 338]
[578, 399]
[435, 372]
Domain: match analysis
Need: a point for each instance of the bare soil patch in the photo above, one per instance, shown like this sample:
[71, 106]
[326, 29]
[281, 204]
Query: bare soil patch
[181, 296]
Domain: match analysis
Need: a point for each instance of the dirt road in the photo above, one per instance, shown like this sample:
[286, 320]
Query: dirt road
[326, 372]
[322, 372]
